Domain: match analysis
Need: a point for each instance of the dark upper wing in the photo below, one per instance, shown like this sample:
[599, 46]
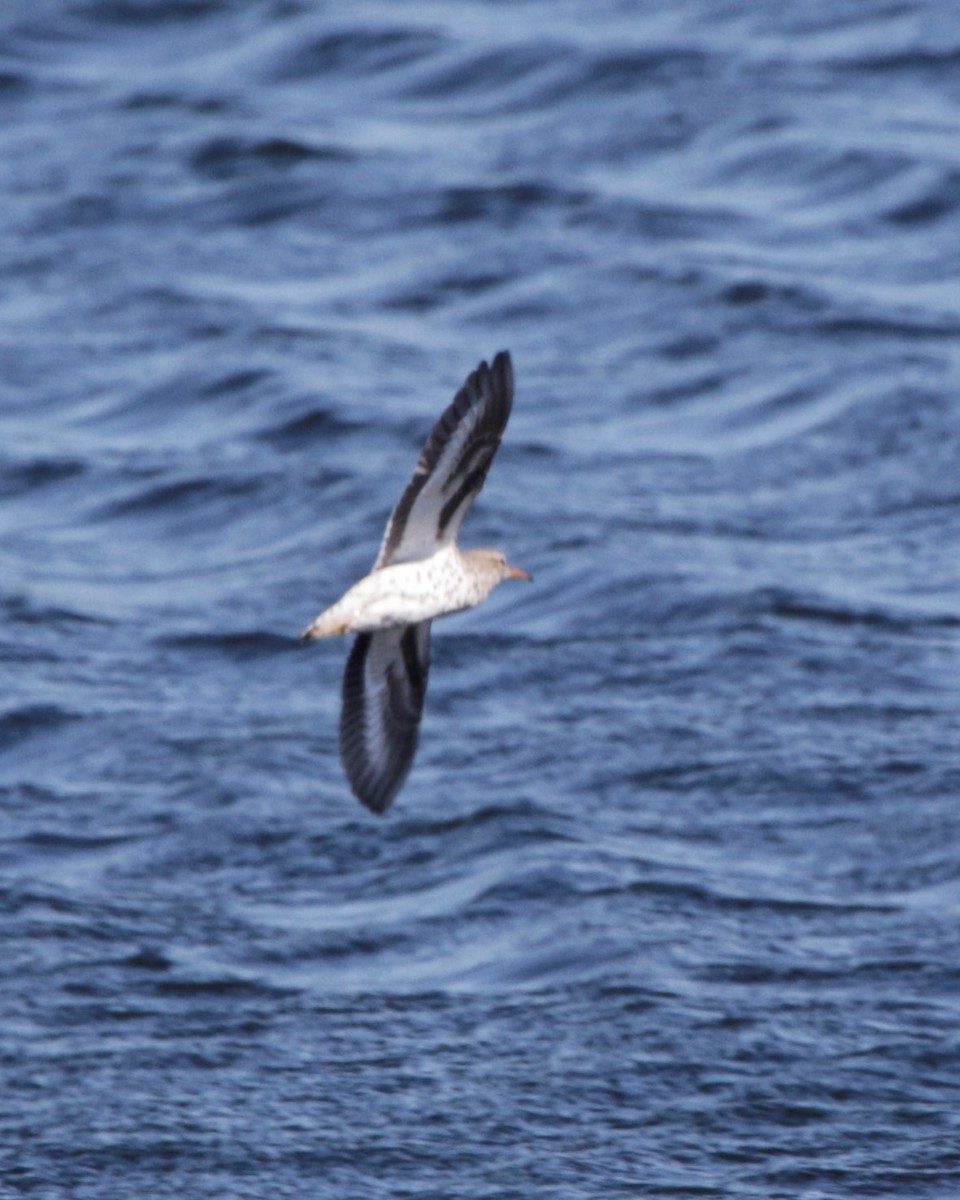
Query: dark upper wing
[384, 684]
[452, 467]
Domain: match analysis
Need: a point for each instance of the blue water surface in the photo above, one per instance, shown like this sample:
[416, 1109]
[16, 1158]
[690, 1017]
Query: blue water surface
[670, 905]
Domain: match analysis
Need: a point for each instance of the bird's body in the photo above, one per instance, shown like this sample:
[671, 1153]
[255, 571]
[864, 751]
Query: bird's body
[405, 593]
[420, 574]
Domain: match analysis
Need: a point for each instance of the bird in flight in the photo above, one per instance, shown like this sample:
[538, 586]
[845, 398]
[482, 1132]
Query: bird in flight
[420, 574]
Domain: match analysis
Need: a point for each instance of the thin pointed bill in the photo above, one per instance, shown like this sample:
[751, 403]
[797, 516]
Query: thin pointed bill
[519, 573]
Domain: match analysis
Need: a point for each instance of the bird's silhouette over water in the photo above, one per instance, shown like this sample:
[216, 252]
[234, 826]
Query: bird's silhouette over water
[420, 573]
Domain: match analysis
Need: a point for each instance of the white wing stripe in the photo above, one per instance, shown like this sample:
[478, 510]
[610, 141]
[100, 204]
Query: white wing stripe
[452, 467]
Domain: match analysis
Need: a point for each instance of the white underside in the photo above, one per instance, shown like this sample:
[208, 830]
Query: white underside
[405, 594]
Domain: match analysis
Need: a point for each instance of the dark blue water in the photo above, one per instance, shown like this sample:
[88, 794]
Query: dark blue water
[670, 905]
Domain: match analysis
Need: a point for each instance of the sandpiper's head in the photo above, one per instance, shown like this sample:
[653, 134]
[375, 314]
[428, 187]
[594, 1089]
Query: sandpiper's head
[493, 564]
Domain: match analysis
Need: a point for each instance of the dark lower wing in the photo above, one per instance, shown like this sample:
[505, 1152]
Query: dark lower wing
[384, 684]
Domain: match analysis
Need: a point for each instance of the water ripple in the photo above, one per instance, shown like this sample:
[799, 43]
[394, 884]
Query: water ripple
[668, 904]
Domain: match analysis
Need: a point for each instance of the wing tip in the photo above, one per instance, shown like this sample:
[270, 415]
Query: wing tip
[373, 802]
[499, 372]
[375, 794]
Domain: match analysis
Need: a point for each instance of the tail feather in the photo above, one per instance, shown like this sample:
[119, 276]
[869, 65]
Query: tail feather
[328, 624]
